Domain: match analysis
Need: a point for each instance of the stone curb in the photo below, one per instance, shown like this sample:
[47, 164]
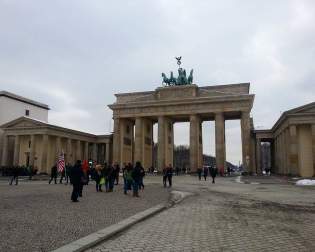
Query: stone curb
[93, 239]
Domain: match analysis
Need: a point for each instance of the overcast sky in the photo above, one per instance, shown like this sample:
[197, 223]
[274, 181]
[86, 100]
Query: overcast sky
[75, 55]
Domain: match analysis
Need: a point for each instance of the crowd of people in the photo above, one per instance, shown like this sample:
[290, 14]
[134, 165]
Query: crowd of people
[207, 170]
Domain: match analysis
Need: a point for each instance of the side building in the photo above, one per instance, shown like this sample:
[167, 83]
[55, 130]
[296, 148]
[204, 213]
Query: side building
[291, 141]
[29, 140]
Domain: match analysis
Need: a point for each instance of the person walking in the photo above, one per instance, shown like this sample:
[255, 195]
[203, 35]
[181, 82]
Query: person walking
[98, 177]
[76, 180]
[136, 177]
[164, 176]
[213, 173]
[15, 175]
[53, 174]
[142, 174]
[169, 175]
[62, 175]
[67, 172]
[127, 174]
[116, 172]
[199, 171]
[205, 172]
[111, 178]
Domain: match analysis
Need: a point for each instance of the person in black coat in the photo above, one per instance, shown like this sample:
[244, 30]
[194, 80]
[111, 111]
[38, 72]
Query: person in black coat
[76, 180]
[15, 173]
[213, 173]
[53, 174]
[136, 177]
[199, 171]
[205, 172]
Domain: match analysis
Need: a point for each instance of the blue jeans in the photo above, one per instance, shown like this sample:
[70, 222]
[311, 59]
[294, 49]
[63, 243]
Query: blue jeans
[135, 186]
[127, 185]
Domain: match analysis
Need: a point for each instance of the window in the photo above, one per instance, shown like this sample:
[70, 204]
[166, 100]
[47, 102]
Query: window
[27, 112]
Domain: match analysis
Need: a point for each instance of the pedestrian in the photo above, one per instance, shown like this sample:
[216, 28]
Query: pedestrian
[136, 177]
[142, 174]
[170, 175]
[67, 172]
[85, 176]
[98, 177]
[164, 176]
[199, 171]
[15, 175]
[213, 173]
[177, 170]
[86, 171]
[30, 172]
[111, 178]
[76, 180]
[53, 174]
[62, 175]
[116, 173]
[127, 174]
[205, 172]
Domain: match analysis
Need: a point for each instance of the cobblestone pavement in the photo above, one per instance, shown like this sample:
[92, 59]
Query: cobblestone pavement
[227, 216]
[35, 216]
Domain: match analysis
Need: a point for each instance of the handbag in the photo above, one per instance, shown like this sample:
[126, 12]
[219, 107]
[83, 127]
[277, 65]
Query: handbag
[102, 181]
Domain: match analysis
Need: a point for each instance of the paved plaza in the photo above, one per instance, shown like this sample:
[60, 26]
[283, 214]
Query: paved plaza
[35, 216]
[228, 216]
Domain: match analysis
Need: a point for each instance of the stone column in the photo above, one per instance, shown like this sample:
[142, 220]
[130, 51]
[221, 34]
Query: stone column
[196, 158]
[69, 152]
[78, 151]
[139, 141]
[116, 142]
[161, 143]
[16, 155]
[245, 129]
[86, 150]
[58, 147]
[258, 156]
[94, 156]
[294, 157]
[32, 150]
[220, 142]
[44, 165]
[5, 150]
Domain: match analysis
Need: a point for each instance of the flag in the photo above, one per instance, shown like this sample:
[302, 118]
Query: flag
[61, 163]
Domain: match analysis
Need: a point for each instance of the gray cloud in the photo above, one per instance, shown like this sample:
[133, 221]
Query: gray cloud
[74, 55]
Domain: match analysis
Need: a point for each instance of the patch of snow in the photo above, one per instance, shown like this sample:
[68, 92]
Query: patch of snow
[305, 182]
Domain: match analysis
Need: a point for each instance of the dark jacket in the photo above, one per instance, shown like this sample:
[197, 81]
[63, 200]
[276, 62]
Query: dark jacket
[136, 173]
[76, 174]
[213, 172]
[54, 171]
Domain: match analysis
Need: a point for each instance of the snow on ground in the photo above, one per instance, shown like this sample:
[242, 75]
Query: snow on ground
[305, 182]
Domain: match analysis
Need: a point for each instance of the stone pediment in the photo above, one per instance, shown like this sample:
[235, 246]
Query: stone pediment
[23, 122]
[308, 108]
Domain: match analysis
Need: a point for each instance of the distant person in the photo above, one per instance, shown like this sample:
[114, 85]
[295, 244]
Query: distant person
[15, 175]
[199, 172]
[76, 180]
[177, 170]
[67, 172]
[111, 178]
[213, 173]
[169, 173]
[53, 174]
[97, 177]
[127, 174]
[164, 176]
[229, 170]
[205, 172]
[142, 174]
[136, 177]
[116, 173]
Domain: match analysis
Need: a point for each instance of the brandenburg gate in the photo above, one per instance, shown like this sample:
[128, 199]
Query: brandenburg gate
[135, 114]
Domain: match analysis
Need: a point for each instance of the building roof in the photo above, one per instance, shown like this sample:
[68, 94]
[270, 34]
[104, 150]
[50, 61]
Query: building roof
[23, 99]
[38, 123]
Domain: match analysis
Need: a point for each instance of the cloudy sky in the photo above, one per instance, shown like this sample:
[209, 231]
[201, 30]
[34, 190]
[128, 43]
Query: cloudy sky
[75, 55]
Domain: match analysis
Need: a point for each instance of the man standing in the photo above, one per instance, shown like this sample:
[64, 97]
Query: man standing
[213, 173]
[75, 179]
[53, 174]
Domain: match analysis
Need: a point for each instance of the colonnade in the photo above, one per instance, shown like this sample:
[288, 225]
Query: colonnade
[42, 150]
[133, 140]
